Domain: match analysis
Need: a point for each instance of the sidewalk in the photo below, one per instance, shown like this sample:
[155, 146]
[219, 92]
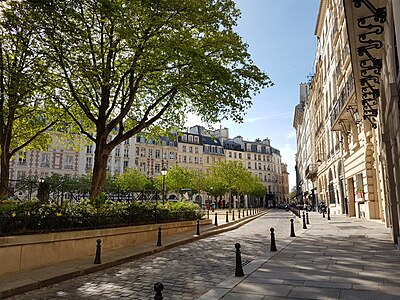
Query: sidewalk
[19, 282]
[344, 258]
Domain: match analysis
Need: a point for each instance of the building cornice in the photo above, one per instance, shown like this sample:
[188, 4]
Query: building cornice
[321, 17]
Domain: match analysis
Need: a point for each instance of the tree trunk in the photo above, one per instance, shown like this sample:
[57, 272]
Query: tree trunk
[5, 175]
[99, 170]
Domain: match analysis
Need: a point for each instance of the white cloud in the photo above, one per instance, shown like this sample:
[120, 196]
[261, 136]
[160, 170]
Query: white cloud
[291, 135]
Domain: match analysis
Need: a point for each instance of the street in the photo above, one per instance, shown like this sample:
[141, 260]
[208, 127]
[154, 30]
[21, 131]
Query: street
[187, 271]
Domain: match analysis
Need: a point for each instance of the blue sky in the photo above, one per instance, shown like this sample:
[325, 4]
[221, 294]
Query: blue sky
[281, 41]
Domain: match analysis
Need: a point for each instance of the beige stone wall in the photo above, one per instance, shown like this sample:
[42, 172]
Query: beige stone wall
[26, 252]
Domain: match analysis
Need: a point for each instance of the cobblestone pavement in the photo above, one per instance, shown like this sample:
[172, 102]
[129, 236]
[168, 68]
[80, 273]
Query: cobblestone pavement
[187, 271]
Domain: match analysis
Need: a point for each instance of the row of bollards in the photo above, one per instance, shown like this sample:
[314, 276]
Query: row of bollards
[240, 214]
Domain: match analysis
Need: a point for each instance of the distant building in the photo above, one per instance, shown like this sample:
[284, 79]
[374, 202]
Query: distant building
[196, 149]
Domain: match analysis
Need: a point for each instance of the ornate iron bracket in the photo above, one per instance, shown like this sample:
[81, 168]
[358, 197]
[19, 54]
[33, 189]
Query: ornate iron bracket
[379, 13]
[369, 47]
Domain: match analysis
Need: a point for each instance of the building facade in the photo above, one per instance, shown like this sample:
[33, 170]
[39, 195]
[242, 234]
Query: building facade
[354, 102]
[196, 149]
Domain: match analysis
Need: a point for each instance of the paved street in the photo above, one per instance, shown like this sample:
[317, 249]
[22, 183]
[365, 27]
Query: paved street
[341, 258]
[186, 272]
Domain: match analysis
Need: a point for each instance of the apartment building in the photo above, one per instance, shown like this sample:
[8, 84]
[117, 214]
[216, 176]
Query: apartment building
[60, 158]
[196, 149]
[152, 155]
[353, 98]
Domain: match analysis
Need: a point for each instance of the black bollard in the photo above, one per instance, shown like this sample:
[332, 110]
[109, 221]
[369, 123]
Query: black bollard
[233, 215]
[239, 214]
[216, 220]
[292, 234]
[208, 214]
[227, 217]
[247, 212]
[158, 287]
[308, 221]
[198, 227]
[304, 221]
[329, 213]
[239, 268]
[159, 237]
[97, 259]
[323, 213]
[273, 244]
[243, 213]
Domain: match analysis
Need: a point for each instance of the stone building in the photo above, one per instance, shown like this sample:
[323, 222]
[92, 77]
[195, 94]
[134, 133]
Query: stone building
[355, 107]
[196, 149]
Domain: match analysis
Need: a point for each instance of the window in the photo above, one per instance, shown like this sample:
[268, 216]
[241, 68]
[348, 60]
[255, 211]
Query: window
[164, 155]
[89, 149]
[118, 152]
[230, 154]
[208, 159]
[190, 159]
[45, 160]
[142, 152]
[248, 156]
[184, 158]
[190, 149]
[150, 153]
[172, 155]
[126, 152]
[196, 139]
[240, 155]
[184, 148]
[126, 142]
[117, 164]
[190, 139]
[68, 162]
[21, 175]
[249, 165]
[89, 161]
[125, 164]
[184, 138]
[196, 150]
[234, 155]
[196, 161]
[157, 168]
[158, 153]
[22, 158]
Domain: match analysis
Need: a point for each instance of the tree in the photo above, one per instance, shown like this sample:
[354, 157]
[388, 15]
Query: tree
[131, 180]
[26, 113]
[178, 178]
[228, 177]
[129, 65]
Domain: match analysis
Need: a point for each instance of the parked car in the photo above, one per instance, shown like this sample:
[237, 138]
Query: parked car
[282, 205]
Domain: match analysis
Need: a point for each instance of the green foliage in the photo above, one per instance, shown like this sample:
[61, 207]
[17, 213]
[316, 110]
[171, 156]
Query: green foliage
[24, 217]
[131, 180]
[178, 178]
[124, 66]
[231, 177]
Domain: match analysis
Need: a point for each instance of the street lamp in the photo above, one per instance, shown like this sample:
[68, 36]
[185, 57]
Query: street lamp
[163, 173]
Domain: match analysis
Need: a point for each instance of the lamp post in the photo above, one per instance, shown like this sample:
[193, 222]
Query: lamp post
[163, 173]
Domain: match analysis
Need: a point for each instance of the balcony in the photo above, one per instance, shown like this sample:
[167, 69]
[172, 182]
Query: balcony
[311, 171]
[339, 109]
